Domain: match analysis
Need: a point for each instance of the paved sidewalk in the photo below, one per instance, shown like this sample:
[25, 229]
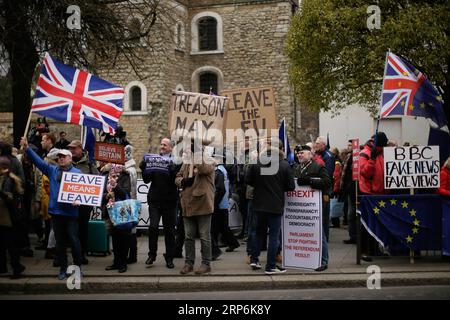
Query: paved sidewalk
[231, 272]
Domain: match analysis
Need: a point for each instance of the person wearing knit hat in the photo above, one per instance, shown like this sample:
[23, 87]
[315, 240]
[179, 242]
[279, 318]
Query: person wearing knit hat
[371, 182]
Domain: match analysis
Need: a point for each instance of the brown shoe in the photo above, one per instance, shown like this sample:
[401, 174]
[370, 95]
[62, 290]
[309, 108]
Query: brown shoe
[203, 269]
[186, 269]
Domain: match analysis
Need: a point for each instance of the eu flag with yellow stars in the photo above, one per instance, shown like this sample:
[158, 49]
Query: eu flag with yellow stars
[399, 221]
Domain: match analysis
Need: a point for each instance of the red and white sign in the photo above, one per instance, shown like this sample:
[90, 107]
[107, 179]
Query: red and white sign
[302, 228]
[355, 159]
[110, 152]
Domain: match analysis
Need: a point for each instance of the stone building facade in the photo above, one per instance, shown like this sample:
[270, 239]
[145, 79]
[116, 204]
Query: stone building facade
[223, 44]
[198, 44]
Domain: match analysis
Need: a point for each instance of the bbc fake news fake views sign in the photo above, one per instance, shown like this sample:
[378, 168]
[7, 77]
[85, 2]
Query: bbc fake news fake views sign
[411, 167]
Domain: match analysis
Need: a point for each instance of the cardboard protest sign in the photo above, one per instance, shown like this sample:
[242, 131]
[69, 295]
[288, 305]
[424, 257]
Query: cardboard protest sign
[251, 108]
[302, 228]
[411, 167]
[355, 159]
[202, 115]
[157, 163]
[87, 189]
[109, 152]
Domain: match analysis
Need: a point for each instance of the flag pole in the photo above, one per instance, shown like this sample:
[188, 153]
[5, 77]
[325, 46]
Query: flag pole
[381, 96]
[27, 127]
[28, 124]
[82, 134]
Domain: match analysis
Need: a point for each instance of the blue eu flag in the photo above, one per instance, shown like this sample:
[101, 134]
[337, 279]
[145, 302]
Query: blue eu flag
[404, 221]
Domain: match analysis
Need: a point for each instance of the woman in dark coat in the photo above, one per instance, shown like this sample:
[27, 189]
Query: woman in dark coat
[118, 188]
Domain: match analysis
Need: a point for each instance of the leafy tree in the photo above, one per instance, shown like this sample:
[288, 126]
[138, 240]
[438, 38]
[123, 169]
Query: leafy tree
[336, 60]
[111, 32]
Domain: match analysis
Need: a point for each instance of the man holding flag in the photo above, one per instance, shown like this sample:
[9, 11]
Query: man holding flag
[75, 96]
[408, 92]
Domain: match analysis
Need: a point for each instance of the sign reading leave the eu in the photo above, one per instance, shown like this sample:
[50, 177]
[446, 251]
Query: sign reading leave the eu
[411, 167]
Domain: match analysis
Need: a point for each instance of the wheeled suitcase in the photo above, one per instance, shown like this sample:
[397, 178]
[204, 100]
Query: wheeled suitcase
[98, 240]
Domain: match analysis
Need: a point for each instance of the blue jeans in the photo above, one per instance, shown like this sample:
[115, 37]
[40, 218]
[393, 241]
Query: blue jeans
[274, 223]
[202, 224]
[66, 233]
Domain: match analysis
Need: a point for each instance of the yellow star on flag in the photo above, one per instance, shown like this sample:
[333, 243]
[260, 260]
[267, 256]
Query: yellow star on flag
[403, 103]
[412, 212]
[415, 230]
[404, 204]
[430, 104]
[405, 73]
[409, 239]
[382, 203]
[376, 210]
[411, 107]
[439, 98]
[416, 222]
[399, 83]
[422, 105]
[393, 202]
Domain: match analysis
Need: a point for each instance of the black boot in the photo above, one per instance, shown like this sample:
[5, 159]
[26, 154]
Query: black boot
[169, 262]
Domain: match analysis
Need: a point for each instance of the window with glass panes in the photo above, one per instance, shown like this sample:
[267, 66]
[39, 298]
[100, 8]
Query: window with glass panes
[136, 95]
[208, 81]
[207, 34]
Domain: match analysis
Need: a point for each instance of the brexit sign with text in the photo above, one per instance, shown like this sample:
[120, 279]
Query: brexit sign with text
[85, 189]
[411, 167]
[302, 228]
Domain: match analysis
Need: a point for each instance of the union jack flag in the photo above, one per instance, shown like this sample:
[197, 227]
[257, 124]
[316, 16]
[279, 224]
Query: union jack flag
[71, 95]
[406, 91]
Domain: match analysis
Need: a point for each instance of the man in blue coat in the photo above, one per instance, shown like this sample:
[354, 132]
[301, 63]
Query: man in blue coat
[64, 215]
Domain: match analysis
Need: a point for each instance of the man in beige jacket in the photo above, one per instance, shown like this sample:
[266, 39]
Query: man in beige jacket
[197, 203]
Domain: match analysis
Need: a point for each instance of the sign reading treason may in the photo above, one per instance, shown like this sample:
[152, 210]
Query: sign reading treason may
[189, 109]
[251, 108]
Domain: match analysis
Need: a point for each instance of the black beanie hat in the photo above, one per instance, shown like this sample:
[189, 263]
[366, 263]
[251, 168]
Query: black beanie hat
[381, 139]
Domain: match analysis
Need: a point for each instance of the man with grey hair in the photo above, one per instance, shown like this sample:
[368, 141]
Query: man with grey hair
[162, 200]
[322, 151]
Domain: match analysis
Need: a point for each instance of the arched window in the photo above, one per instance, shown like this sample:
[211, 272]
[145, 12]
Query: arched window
[136, 99]
[207, 78]
[207, 34]
[208, 83]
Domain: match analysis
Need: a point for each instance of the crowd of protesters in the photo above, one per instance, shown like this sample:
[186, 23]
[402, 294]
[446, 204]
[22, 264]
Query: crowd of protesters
[192, 199]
